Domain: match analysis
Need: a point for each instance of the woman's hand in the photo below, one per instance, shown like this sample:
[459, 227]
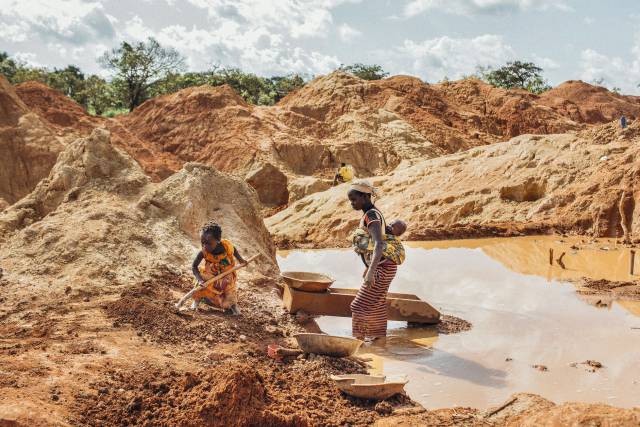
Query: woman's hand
[369, 278]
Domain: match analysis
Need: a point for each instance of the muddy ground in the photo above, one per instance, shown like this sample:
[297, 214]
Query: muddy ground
[127, 358]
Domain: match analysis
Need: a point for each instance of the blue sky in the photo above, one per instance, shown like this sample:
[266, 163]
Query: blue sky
[431, 39]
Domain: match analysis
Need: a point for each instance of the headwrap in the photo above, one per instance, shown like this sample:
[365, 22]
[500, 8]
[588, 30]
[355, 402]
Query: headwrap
[364, 186]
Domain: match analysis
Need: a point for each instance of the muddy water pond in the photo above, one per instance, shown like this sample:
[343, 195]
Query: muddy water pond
[524, 313]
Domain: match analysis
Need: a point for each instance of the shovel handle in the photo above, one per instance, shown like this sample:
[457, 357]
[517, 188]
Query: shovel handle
[213, 279]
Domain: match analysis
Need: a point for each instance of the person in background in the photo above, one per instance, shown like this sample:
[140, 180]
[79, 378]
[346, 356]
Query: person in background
[623, 122]
[345, 174]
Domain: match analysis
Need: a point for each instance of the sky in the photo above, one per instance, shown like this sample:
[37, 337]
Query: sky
[591, 40]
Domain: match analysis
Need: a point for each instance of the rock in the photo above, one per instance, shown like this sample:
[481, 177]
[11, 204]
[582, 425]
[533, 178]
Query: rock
[303, 186]
[384, 408]
[447, 197]
[270, 184]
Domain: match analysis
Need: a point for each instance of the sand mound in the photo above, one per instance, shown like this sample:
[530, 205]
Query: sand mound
[28, 146]
[11, 106]
[453, 116]
[70, 120]
[97, 217]
[373, 125]
[530, 184]
[60, 111]
[212, 125]
[586, 103]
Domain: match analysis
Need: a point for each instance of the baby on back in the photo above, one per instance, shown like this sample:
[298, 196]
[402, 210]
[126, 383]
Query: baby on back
[397, 227]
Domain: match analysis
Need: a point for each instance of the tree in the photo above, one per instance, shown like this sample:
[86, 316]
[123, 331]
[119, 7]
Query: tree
[516, 75]
[98, 94]
[366, 72]
[70, 81]
[283, 85]
[139, 66]
[8, 66]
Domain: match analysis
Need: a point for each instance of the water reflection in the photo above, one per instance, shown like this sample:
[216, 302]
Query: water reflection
[521, 315]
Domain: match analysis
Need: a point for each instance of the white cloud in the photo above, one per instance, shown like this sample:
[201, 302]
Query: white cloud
[454, 57]
[27, 58]
[348, 33]
[615, 71]
[13, 32]
[547, 64]
[295, 18]
[231, 44]
[71, 21]
[473, 7]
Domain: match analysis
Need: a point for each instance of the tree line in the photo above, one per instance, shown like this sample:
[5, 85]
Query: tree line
[143, 70]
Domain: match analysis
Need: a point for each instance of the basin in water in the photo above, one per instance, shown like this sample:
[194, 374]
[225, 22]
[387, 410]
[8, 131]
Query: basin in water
[328, 345]
[309, 282]
[523, 312]
[373, 387]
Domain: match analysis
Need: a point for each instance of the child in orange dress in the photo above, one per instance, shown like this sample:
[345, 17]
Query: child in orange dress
[219, 255]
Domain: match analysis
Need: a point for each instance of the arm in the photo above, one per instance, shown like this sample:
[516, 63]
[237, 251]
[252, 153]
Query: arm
[194, 267]
[238, 256]
[375, 230]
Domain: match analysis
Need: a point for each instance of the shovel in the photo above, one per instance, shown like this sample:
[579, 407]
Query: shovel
[213, 279]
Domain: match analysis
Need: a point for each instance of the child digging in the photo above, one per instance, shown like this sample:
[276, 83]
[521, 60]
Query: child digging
[219, 256]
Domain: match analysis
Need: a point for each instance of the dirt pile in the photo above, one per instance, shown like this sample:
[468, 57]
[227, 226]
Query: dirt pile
[585, 103]
[73, 251]
[521, 409]
[245, 392]
[28, 147]
[530, 184]
[98, 217]
[148, 308]
[373, 125]
[61, 112]
[212, 125]
[69, 120]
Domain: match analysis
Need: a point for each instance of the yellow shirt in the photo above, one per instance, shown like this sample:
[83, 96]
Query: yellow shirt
[346, 172]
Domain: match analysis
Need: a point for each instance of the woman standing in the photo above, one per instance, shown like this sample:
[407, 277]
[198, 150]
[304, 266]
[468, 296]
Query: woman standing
[369, 308]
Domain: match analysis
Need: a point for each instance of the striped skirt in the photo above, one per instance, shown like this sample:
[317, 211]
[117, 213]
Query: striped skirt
[369, 308]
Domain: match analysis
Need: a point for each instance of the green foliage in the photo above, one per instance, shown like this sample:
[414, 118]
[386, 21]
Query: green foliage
[516, 75]
[69, 81]
[252, 88]
[98, 95]
[144, 70]
[8, 66]
[366, 72]
[112, 112]
[139, 66]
